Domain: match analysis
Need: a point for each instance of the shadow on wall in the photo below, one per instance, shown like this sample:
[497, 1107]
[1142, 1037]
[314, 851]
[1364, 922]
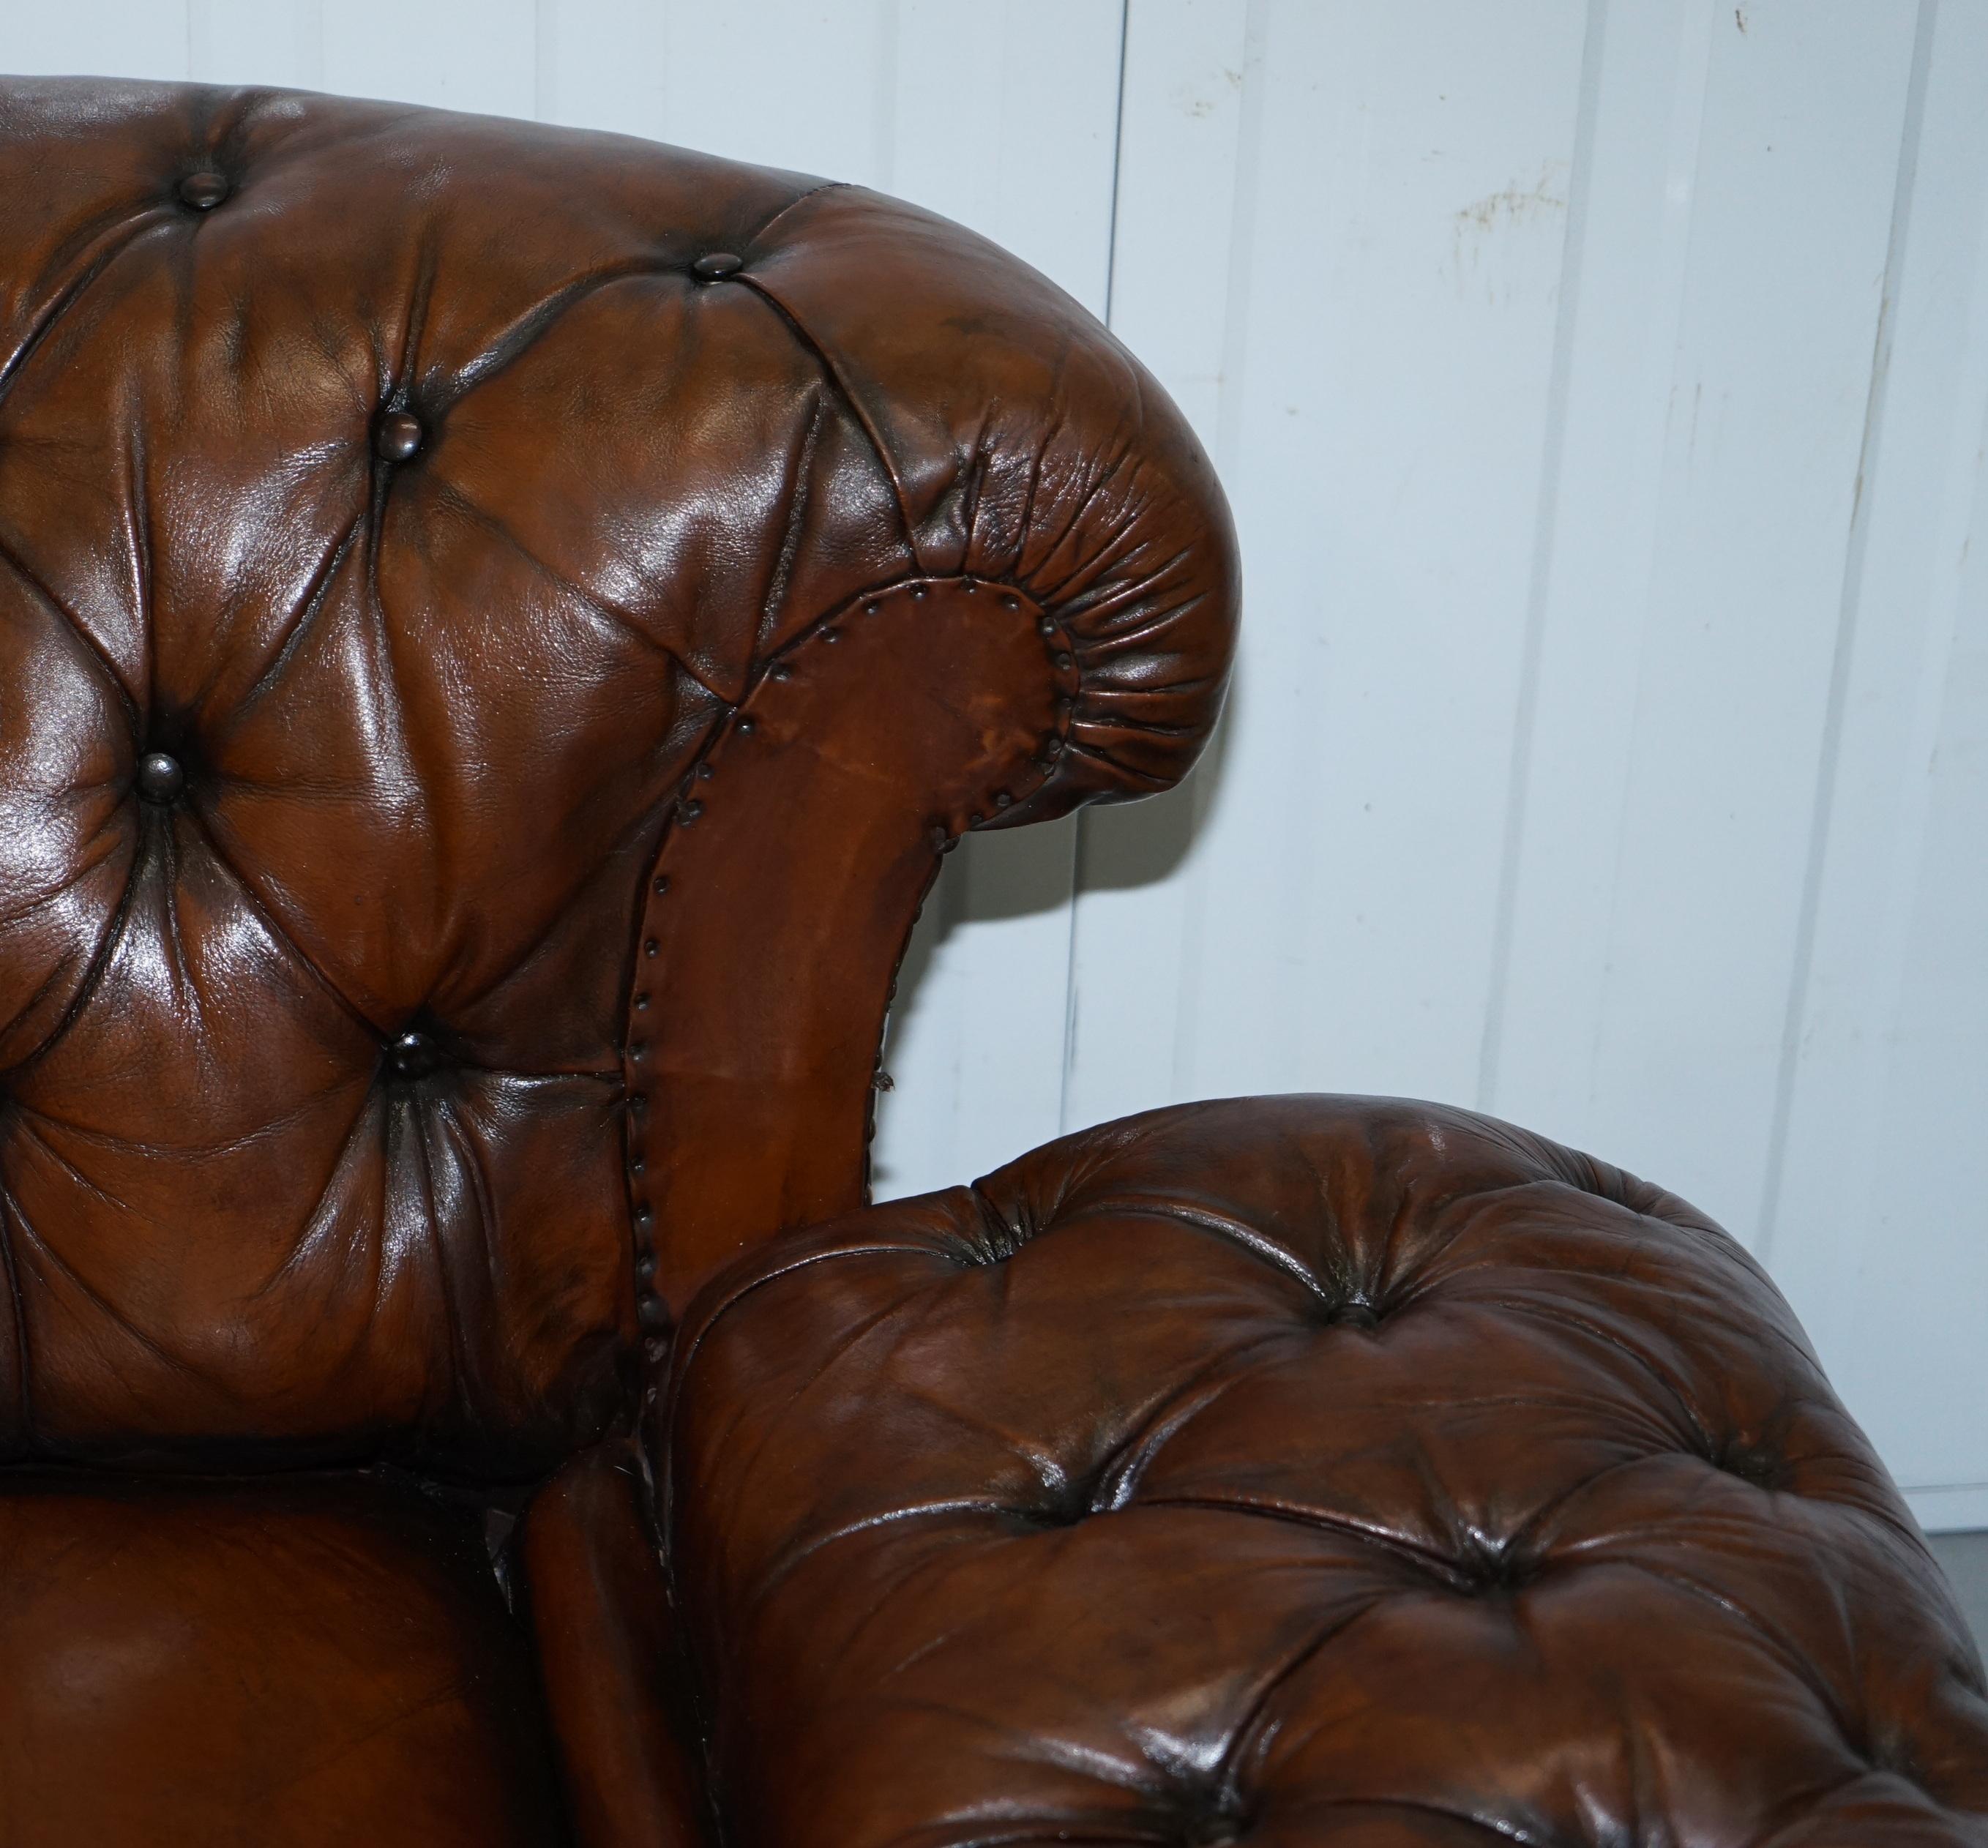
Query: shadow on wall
[1028, 873]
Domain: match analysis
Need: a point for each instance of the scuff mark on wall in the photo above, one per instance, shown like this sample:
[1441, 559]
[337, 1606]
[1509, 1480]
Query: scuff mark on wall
[1512, 210]
[1515, 205]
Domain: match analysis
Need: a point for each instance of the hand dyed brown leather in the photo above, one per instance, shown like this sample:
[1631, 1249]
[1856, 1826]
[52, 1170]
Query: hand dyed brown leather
[497, 629]
[1301, 1471]
[321, 1663]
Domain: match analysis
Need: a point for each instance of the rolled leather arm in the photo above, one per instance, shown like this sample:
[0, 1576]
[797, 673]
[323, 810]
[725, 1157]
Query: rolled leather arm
[1059, 629]
[1025, 444]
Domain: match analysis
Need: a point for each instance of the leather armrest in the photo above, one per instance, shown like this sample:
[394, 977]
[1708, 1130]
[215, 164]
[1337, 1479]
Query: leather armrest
[1059, 631]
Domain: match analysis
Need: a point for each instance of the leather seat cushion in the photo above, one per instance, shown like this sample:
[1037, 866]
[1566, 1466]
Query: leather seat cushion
[285, 1665]
[1301, 1471]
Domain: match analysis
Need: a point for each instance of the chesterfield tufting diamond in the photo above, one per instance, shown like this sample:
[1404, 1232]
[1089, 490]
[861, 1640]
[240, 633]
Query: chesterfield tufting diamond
[498, 629]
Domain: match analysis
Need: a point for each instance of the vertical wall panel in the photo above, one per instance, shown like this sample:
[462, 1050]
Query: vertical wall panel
[1874, 1222]
[1671, 1065]
[1188, 152]
[1601, 513]
[600, 65]
[483, 58]
[252, 42]
[103, 38]
[1380, 421]
[806, 84]
[989, 130]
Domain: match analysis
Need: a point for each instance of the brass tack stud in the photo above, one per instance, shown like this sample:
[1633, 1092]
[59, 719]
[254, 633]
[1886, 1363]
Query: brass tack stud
[650, 947]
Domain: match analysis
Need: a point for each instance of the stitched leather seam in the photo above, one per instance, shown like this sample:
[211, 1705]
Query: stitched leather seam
[1799, 1666]
[1252, 1733]
[53, 603]
[499, 529]
[93, 972]
[832, 374]
[18, 1308]
[813, 192]
[275, 926]
[148, 218]
[317, 593]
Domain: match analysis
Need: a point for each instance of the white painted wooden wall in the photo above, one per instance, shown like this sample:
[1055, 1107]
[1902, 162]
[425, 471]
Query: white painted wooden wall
[1602, 387]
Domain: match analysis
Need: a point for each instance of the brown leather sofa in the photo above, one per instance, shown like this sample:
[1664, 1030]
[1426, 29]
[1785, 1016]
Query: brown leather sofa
[499, 628]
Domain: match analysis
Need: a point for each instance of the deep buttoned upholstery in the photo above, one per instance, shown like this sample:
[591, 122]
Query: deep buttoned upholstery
[1301, 1471]
[425, 542]
[499, 628]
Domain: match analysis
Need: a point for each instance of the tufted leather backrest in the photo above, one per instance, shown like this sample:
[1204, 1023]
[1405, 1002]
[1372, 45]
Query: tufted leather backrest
[497, 626]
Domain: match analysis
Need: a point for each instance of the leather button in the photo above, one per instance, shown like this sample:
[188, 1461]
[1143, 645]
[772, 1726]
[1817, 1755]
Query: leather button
[716, 266]
[1352, 1314]
[413, 1054]
[399, 436]
[204, 191]
[160, 778]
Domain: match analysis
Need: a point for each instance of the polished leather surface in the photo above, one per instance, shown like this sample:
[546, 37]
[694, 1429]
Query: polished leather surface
[610, 1657]
[498, 626]
[1301, 1471]
[323, 1664]
[498, 629]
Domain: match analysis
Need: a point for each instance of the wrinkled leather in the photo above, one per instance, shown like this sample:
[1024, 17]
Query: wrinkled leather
[304, 1665]
[1301, 1471]
[447, 696]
